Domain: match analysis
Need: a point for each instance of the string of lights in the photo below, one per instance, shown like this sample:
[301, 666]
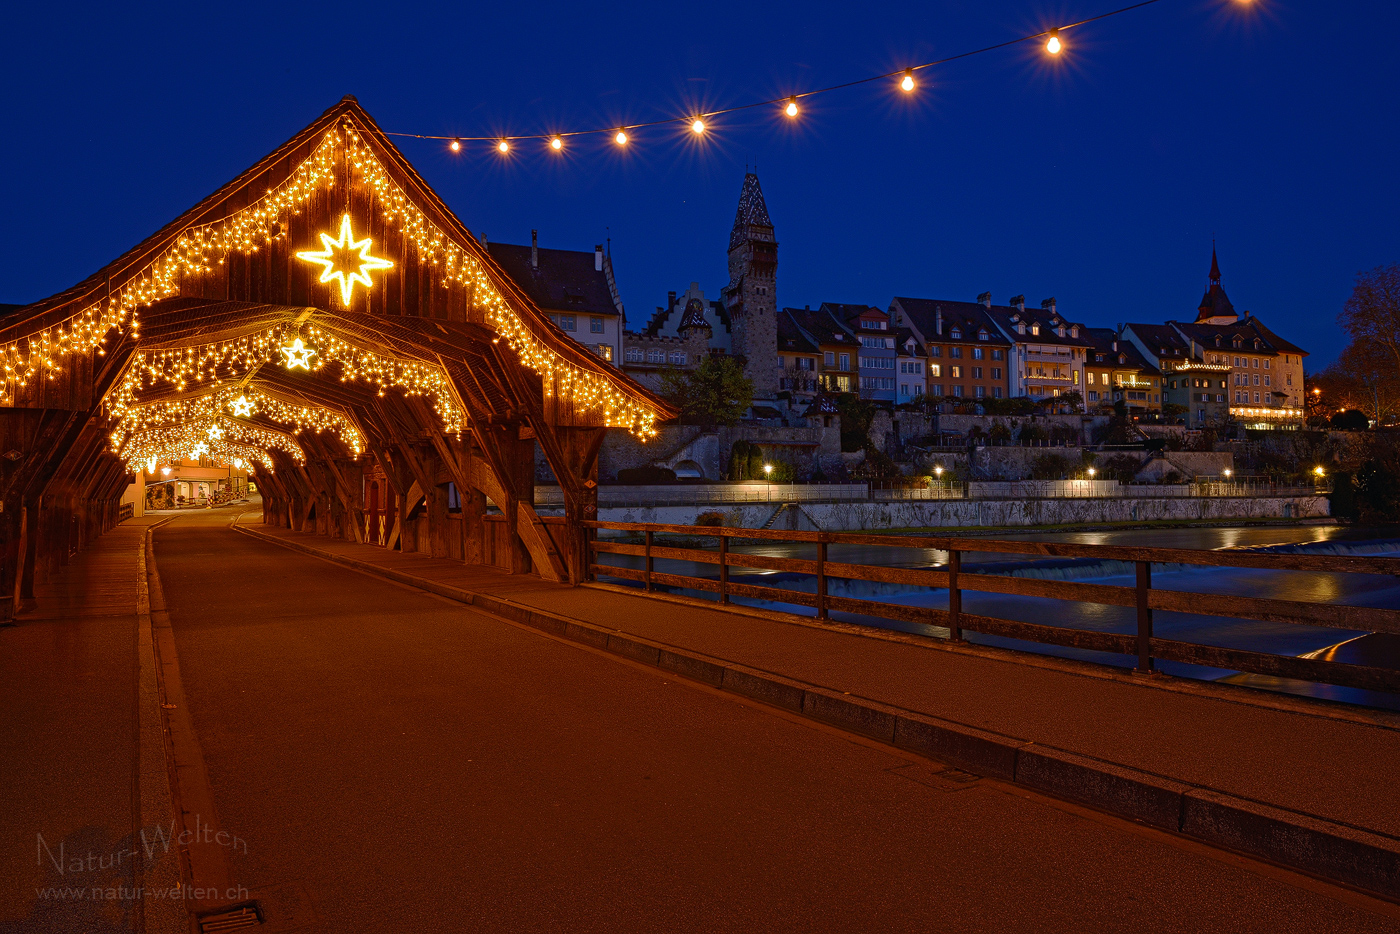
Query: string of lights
[217, 437]
[700, 121]
[238, 402]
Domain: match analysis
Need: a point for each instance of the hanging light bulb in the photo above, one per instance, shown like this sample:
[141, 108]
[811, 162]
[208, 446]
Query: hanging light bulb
[698, 126]
[621, 138]
[503, 146]
[556, 144]
[908, 82]
[1053, 45]
[791, 108]
[455, 145]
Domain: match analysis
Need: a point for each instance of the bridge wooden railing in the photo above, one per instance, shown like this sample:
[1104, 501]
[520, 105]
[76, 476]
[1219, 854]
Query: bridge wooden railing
[1143, 596]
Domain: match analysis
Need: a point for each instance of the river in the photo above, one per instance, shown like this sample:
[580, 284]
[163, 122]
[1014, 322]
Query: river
[1279, 638]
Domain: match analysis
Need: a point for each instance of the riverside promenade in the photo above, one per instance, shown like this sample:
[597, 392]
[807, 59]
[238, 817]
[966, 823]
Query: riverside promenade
[397, 743]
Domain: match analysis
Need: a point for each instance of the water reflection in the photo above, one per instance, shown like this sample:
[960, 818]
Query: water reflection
[1204, 627]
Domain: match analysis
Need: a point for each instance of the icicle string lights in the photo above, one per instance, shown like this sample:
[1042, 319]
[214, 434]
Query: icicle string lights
[132, 418]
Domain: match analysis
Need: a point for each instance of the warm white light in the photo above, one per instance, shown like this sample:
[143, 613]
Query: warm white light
[791, 108]
[346, 259]
[1053, 45]
[908, 82]
[621, 138]
[1319, 471]
[503, 146]
[556, 144]
[242, 407]
[767, 468]
[455, 145]
[1092, 471]
[1228, 471]
[698, 127]
[165, 471]
[298, 355]
[938, 470]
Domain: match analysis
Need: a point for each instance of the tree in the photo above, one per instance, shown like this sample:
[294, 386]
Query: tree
[715, 393]
[1173, 410]
[856, 416]
[1372, 315]
[1072, 398]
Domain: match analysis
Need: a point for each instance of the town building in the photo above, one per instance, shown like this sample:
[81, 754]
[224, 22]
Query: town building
[837, 367]
[1116, 371]
[800, 359]
[650, 354]
[576, 289]
[1193, 385]
[912, 366]
[968, 356]
[877, 359]
[1048, 351]
[751, 297]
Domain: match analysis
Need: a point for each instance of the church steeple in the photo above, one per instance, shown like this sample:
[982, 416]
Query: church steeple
[1215, 307]
[753, 212]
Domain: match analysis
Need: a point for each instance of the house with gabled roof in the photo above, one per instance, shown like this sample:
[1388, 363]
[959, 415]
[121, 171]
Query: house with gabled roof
[1049, 351]
[1116, 371]
[967, 355]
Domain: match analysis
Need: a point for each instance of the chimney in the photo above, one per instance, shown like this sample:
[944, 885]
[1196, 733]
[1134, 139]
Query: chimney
[1115, 345]
[1019, 302]
[1049, 305]
[535, 250]
[986, 299]
[598, 260]
[670, 298]
[938, 319]
[485, 245]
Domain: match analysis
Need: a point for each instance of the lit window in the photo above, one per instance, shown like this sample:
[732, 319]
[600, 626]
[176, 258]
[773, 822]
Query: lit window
[605, 351]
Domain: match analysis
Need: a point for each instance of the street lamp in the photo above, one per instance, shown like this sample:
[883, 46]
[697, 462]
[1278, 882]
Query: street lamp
[1092, 471]
[1319, 471]
[768, 475]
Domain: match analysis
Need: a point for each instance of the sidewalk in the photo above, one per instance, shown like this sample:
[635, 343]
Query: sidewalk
[78, 784]
[1295, 782]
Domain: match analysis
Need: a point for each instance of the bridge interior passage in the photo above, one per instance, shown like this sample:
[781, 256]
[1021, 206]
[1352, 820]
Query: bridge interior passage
[326, 323]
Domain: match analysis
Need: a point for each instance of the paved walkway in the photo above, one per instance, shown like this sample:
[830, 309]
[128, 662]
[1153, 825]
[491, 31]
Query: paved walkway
[1288, 754]
[70, 765]
[395, 761]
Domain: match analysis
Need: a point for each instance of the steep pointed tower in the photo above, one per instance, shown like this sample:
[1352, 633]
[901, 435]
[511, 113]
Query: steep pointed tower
[752, 296]
[1215, 307]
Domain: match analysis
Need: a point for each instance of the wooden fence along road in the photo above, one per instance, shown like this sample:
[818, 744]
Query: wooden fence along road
[1143, 597]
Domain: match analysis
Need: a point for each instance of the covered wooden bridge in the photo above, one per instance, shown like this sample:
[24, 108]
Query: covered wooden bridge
[326, 321]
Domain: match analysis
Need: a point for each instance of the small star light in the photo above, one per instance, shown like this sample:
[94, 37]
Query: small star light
[242, 407]
[215, 432]
[346, 259]
[298, 355]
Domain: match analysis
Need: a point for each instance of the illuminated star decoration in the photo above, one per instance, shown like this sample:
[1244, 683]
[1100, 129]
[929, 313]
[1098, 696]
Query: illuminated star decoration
[215, 432]
[242, 407]
[298, 355]
[346, 259]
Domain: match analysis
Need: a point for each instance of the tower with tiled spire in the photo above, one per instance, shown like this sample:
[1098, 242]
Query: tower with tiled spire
[1215, 307]
[752, 295]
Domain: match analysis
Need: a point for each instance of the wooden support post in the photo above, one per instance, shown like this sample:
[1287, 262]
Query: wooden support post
[954, 597]
[473, 526]
[822, 611]
[436, 509]
[648, 557]
[20, 554]
[1144, 618]
[724, 569]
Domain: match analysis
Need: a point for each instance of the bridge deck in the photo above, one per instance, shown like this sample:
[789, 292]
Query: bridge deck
[1311, 758]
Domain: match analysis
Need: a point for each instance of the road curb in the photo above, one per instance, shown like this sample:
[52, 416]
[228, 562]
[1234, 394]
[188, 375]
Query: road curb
[1351, 856]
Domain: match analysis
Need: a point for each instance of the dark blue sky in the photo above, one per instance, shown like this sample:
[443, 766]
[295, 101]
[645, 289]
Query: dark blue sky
[1099, 178]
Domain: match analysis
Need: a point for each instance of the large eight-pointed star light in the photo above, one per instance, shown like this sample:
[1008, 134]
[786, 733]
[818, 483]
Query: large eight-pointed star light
[346, 259]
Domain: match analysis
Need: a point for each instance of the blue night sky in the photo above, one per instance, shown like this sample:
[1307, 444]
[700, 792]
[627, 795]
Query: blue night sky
[1099, 178]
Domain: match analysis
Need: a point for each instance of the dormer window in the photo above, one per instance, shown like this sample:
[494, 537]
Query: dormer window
[956, 334]
[1074, 331]
[982, 335]
[1237, 343]
[1060, 330]
[1256, 343]
[1122, 358]
[1217, 340]
[1035, 329]
[1021, 327]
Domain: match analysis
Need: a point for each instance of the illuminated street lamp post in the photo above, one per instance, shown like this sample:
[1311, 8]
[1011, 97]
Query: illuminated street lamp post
[768, 475]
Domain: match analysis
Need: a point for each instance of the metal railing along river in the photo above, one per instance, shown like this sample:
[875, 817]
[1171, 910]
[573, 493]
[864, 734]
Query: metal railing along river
[1143, 597]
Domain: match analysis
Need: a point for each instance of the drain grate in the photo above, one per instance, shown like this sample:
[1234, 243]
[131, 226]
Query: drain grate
[236, 920]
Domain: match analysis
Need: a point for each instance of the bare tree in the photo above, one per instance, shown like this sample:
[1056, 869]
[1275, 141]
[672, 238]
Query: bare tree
[1372, 314]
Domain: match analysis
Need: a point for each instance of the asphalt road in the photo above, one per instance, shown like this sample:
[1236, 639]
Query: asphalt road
[398, 762]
